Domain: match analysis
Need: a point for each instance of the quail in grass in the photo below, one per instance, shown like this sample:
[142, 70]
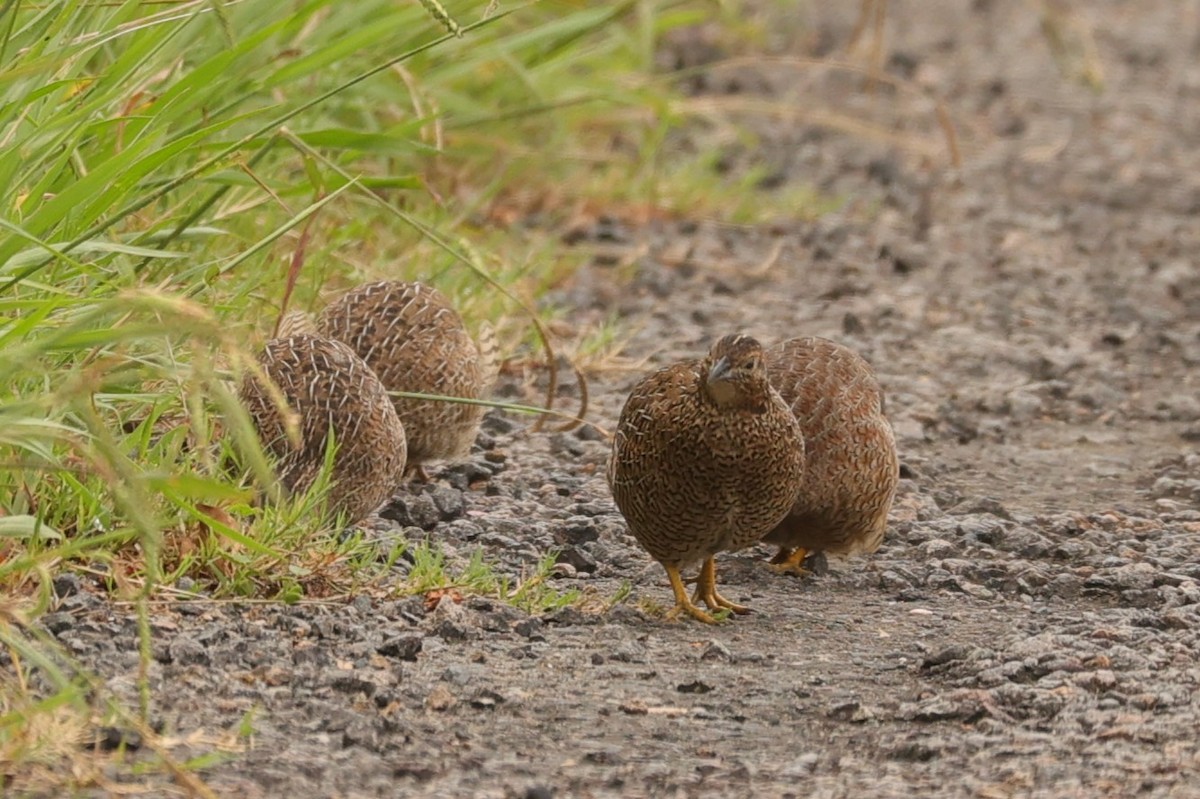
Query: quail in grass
[706, 458]
[851, 469]
[416, 342]
[329, 388]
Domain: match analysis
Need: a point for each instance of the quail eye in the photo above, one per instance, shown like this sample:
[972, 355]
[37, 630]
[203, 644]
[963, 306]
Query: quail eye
[750, 364]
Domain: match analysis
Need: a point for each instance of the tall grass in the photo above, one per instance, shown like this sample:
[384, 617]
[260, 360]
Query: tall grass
[164, 166]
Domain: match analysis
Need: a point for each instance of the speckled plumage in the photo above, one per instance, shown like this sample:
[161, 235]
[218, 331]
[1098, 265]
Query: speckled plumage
[852, 467]
[707, 458]
[295, 323]
[415, 341]
[328, 386]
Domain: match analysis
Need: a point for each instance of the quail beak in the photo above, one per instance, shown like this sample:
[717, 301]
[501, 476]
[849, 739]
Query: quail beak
[719, 371]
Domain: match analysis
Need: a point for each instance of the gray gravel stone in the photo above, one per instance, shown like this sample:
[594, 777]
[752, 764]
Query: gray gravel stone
[578, 559]
[185, 650]
[66, 584]
[350, 683]
[449, 502]
[58, 623]
[415, 511]
[577, 530]
[402, 647]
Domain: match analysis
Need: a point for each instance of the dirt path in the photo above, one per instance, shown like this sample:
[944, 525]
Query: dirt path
[1030, 627]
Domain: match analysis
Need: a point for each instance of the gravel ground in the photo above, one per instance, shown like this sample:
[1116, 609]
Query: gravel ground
[1031, 626]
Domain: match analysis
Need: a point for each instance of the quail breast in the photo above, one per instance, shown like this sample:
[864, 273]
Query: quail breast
[706, 458]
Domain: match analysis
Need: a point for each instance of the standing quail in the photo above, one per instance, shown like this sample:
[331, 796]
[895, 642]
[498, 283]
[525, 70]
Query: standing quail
[707, 457]
[415, 341]
[329, 388]
[852, 468]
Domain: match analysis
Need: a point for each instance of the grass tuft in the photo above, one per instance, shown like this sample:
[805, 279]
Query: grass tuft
[430, 576]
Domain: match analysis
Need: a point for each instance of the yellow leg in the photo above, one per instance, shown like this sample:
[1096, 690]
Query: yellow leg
[682, 603]
[416, 472]
[790, 561]
[706, 589]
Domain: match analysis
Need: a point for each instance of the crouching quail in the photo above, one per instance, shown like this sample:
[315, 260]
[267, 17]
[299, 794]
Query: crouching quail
[851, 469]
[413, 339]
[706, 458]
[331, 390]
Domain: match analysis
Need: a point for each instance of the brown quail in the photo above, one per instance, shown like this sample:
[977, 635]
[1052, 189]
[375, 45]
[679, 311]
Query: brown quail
[707, 458]
[415, 341]
[852, 468]
[329, 388]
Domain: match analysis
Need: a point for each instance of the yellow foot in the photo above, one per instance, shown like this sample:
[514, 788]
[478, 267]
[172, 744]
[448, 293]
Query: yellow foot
[682, 603]
[706, 590]
[789, 561]
[417, 472]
